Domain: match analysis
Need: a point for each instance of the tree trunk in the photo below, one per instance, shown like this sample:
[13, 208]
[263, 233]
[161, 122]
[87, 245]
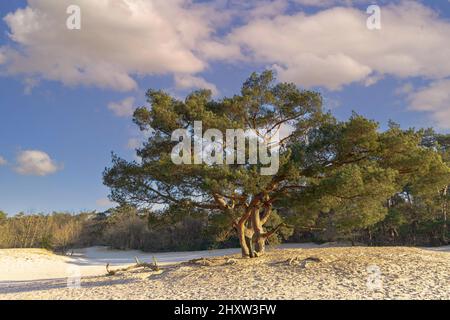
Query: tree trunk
[240, 228]
[414, 232]
[250, 230]
[260, 246]
[250, 246]
[258, 238]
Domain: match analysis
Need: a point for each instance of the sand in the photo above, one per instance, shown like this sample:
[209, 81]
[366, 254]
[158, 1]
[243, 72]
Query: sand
[333, 273]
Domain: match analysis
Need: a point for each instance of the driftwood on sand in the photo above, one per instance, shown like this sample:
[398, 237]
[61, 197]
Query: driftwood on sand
[297, 261]
[152, 266]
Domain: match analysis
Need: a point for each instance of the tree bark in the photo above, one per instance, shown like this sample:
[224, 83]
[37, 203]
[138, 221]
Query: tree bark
[250, 227]
[258, 238]
[240, 228]
[414, 231]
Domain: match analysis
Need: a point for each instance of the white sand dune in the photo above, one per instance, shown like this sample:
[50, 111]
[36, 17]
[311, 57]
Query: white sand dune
[405, 273]
[38, 264]
[31, 264]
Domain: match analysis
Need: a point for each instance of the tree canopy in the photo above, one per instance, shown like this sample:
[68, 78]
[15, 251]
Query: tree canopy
[347, 169]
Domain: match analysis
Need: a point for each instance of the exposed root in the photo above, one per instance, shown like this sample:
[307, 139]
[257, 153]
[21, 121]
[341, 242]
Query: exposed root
[302, 263]
[208, 262]
[152, 266]
[202, 262]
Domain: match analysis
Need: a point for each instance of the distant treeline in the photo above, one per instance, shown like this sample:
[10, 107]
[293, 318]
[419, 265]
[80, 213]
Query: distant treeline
[407, 223]
[121, 228]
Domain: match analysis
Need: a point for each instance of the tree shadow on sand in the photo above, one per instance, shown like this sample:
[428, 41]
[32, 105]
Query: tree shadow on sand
[11, 287]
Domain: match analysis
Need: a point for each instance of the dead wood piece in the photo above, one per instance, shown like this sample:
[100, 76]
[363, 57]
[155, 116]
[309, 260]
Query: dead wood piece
[231, 261]
[201, 261]
[152, 266]
[297, 261]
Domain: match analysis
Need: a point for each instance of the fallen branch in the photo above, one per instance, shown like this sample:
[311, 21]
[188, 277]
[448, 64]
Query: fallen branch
[152, 266]
[201, 261]
[302, 262]
[208, 262]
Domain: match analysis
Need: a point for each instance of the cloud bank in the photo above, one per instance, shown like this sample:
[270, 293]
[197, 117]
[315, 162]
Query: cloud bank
[329, 48]
[119, 39]
[434, 99]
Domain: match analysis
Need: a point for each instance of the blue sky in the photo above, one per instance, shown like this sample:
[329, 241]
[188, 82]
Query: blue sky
[58, 123]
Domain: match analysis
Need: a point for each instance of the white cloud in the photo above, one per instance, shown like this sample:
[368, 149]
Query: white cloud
[124, 108]
[372, 79]
[189, 82]
[333, 47]
[435, 100]
[3, 161]
[133, 143]
[118, 39]
[105, 203]
[264, 9]
[329, 3]
[35, 163]
[2, 55]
